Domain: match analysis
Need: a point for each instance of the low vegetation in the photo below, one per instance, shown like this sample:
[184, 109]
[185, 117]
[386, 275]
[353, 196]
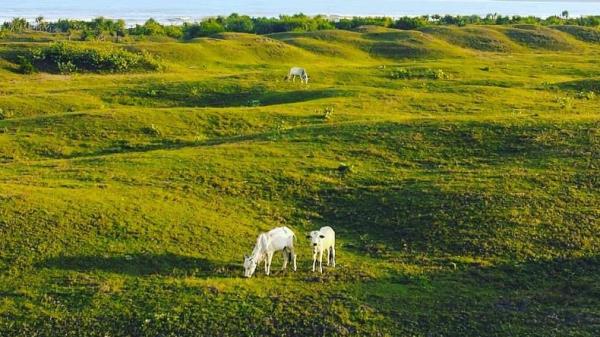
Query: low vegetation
[66, 58]
[419, 73]
[458, 165]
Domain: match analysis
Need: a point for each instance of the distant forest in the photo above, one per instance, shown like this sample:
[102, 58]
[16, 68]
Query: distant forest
[109, 29]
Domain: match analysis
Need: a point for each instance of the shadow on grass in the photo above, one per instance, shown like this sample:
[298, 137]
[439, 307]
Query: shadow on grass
[539, 298]
[165, 144]
[167, 264]
[225, 93]
[532, 298]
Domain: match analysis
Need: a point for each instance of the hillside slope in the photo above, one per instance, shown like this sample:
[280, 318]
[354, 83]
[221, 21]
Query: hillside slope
[458, 166]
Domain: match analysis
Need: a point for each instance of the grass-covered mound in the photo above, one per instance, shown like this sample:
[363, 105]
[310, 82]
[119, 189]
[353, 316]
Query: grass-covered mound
[333, 43]
[463, 190]
[396, 44]
[62, 57]
[538, 37]
[587, 34]
[478, 38]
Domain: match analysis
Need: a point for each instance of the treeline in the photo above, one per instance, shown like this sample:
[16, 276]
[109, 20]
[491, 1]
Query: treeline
[105, 29]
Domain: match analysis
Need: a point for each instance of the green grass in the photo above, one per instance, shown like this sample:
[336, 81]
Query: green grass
[587, 34]
[127, 201]
[478, 38]
[538, 37]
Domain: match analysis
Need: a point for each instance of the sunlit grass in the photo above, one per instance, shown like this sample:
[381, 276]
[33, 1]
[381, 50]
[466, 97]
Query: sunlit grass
[467, 204]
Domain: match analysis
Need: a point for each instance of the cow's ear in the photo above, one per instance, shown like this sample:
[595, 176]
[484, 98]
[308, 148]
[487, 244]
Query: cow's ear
[245, 256]
[322, 236]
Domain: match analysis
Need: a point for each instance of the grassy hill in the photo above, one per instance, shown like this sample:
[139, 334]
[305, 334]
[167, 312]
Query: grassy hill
[460, 169]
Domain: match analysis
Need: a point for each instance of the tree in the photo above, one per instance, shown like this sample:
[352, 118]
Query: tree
[17, 25]
[237, 23]
[565, 14]
[409, 23]
[40, 23]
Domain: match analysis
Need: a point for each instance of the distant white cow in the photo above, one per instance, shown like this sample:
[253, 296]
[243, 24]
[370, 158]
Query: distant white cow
[280, 238]
[323, 240]
[297, 71]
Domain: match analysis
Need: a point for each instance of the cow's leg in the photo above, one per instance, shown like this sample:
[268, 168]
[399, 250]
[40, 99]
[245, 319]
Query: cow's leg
[333, 256]
[314, 260]
[328, 256]
[269, 259]
[293, 256]
[294, 79]
[321, 261]
[285, 258]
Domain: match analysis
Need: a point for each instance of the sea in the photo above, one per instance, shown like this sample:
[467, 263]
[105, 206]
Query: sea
[179, 11]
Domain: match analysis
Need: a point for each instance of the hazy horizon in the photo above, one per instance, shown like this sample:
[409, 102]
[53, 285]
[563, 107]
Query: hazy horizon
[136, 11]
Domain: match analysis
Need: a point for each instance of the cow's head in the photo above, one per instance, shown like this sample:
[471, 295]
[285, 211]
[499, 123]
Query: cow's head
[249, 266]
[315, 238]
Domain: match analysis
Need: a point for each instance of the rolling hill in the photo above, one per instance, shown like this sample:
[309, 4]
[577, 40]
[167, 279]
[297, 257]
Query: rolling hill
[460, 168]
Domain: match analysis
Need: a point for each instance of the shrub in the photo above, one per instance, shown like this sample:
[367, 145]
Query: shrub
[67, 58]
[327, 113]
[25, 65]
[408, 73]
[5, 114]
[66, 67]
[344, 169]
[151, 130]
[408, 23]
[589, 95]
[565, 103]
[254, 102]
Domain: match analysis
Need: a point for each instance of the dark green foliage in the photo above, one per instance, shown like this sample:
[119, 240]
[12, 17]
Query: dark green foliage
[25, 64]
[153, 28]
[239, 23]
[68, 58]
[100, 28]
[410, 23]
[356, 22]
[17, 25]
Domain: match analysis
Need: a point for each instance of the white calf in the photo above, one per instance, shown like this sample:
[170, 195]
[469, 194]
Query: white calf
[280, 238]
[297, 71]
[323, 240]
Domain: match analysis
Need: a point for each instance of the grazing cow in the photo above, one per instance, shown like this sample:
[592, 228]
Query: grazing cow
[297, 71]
[280, 238]
[323, 240]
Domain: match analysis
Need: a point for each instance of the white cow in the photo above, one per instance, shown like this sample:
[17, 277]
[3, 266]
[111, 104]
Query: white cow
[280, 238]
[297, 71]
[323, 240]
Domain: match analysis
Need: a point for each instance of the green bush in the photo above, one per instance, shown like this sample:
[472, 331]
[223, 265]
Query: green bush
[25, 65]
[63, 57]
[418, 73]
